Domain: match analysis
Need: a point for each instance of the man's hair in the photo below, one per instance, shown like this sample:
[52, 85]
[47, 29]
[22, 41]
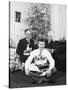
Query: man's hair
[41, 40]
[27, 30]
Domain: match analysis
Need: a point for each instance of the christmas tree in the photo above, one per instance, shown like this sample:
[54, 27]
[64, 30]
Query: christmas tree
[39, 21]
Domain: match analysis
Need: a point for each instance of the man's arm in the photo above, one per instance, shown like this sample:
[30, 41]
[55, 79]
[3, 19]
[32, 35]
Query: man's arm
[51, 61]
[19, 48]
[51, 64]
[28, 62]
[19, 52]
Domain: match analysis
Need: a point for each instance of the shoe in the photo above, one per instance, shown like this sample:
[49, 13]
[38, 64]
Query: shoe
[52, 81]
[34, 82]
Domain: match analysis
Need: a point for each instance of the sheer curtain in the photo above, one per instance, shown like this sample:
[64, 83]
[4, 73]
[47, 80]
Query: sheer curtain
[58, 22]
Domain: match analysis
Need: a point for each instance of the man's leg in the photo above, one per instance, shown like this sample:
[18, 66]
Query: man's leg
[52, 77]
[37, 79]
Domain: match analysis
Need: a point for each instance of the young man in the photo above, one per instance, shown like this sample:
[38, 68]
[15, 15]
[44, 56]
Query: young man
[25, 46]
[40, 63]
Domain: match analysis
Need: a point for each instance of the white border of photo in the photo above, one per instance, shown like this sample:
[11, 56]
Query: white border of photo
[4, 44]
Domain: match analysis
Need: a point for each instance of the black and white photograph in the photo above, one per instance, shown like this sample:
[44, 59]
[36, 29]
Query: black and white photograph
[37, 44]
[18, 16]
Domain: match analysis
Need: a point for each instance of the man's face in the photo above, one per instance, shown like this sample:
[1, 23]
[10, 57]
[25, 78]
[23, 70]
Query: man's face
[41, 45]
[28, 34]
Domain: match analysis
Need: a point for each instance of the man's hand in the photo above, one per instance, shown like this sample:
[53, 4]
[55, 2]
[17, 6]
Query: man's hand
[26, 71]
[43, 73]
[48, 73]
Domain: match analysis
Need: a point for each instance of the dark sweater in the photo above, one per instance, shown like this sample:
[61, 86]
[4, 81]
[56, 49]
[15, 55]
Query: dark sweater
[22, 45]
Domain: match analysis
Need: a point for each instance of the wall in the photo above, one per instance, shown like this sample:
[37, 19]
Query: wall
[58, 21]
[17, 29]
